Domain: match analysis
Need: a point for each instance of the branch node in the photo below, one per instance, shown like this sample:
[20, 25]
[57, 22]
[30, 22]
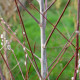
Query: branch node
[43, 46]
[40, 25]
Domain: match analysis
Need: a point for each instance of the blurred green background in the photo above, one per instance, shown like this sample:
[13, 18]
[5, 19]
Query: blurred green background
[67, 26]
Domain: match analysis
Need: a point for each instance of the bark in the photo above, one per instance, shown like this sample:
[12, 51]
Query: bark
[43, 49]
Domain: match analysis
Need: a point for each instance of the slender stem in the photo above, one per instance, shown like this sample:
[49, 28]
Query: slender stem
[77, 42]
[43, 50]
[23, 47]
[49, 6]
[29, 12]
[26, 34]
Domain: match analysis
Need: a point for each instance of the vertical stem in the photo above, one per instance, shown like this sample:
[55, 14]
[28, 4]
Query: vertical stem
[43, 49]
[77, 43]
[45, 14]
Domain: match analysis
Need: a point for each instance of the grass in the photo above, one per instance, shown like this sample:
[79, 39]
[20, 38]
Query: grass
[55, 45]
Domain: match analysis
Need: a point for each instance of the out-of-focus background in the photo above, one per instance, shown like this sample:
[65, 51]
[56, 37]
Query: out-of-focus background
[67, 26]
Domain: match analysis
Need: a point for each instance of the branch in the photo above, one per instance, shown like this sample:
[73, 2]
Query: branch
[61, 51]
[20, 42]
[21, 21]
[49, 6]
[37, 57]
[28, 12]
[23, 47]
[57, 24]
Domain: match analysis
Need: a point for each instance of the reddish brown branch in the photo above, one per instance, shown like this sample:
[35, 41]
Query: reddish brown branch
[77, 42]
[53, 26]
[57, 24]
[26, 35]
[29, 12]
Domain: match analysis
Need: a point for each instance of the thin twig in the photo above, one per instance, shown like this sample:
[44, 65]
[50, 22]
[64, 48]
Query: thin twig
[22, 46]
[25, 32]
[77, 42]
[49, 6]
[57, 24]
